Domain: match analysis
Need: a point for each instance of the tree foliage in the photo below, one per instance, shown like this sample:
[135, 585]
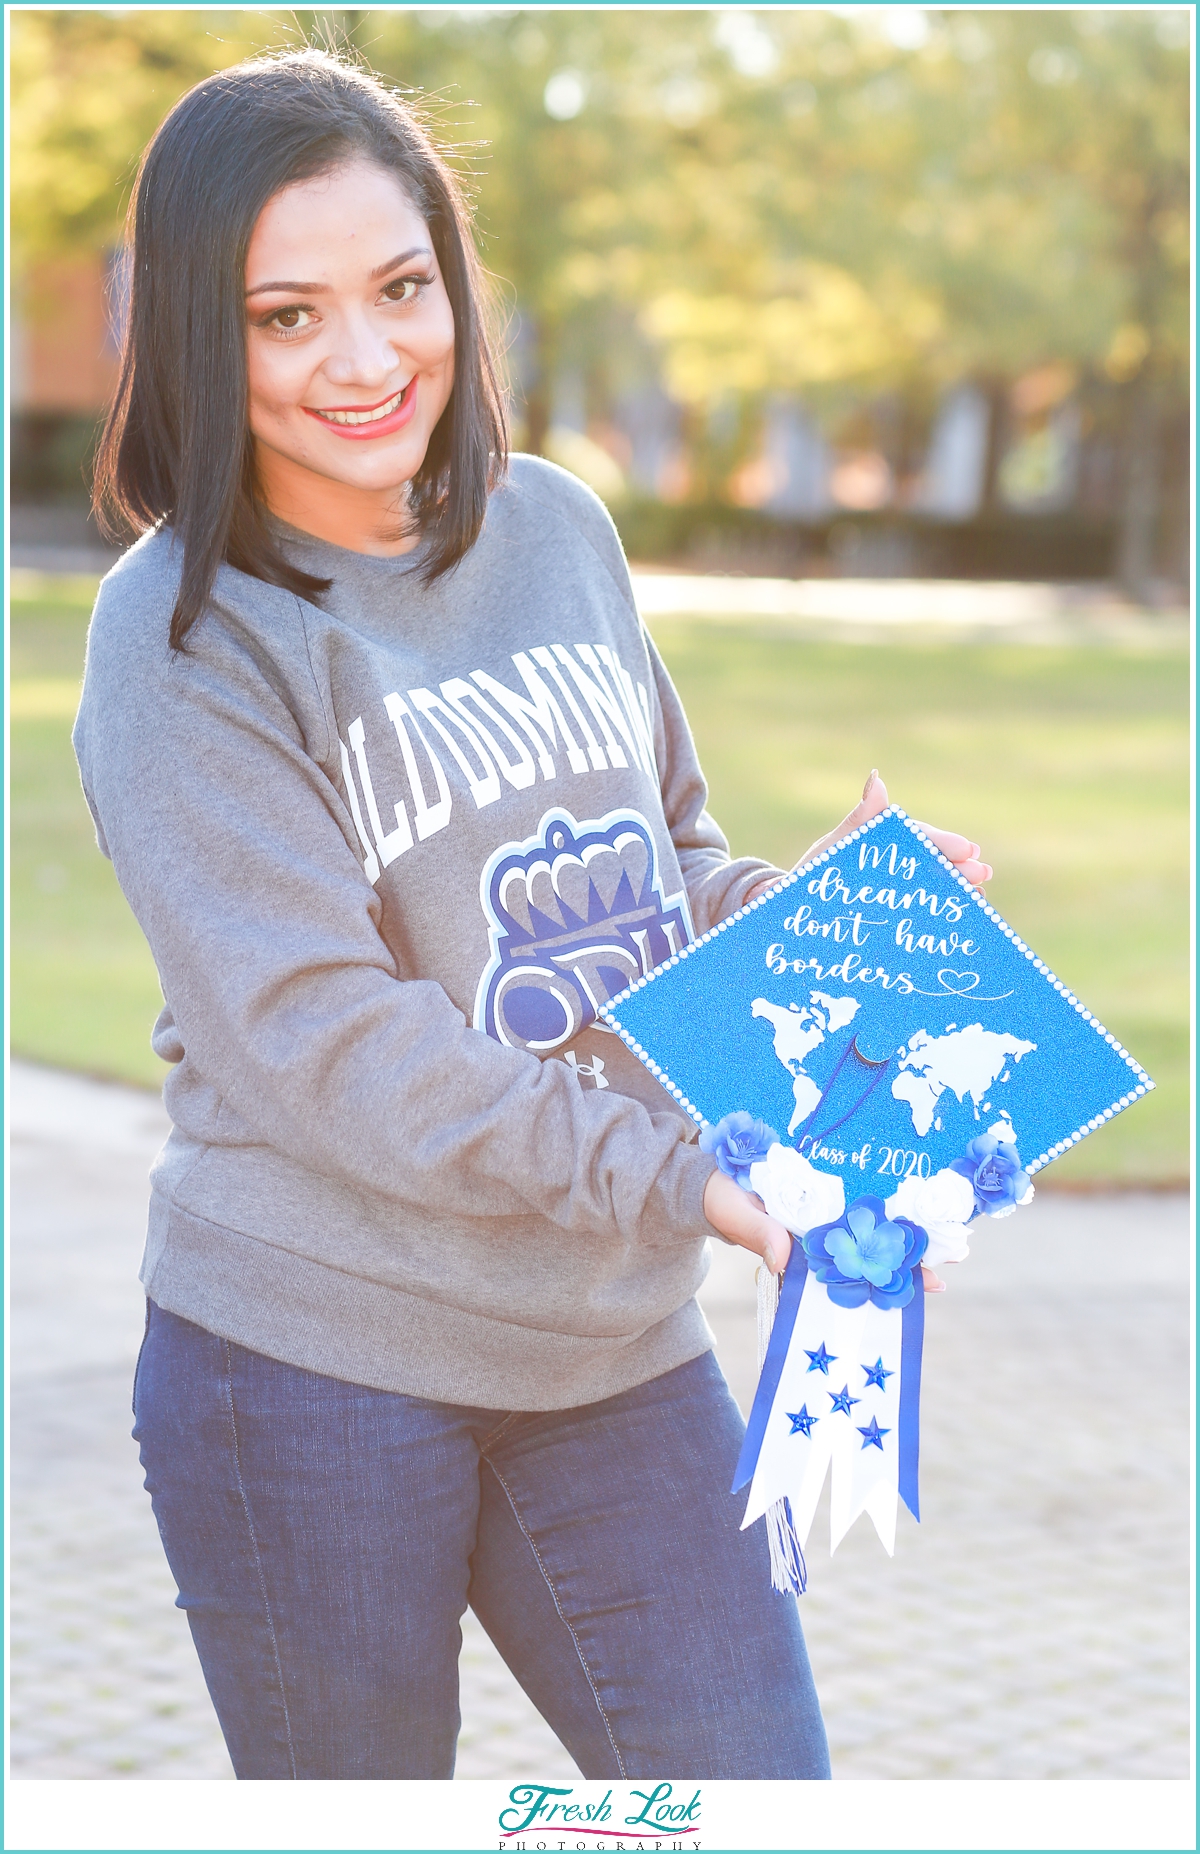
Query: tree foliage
[829, 202]
[88, 89]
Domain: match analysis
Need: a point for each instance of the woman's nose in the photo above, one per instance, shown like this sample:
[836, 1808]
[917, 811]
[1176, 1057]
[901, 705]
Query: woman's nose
[362, 355]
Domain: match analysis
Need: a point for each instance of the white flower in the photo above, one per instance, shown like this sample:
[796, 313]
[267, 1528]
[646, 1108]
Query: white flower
[795, 1192]
[942, 1206]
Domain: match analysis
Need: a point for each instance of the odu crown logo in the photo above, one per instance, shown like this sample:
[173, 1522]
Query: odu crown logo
[575, 913]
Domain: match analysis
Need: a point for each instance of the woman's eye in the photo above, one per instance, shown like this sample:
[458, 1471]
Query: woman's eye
[289, 321]
[404, 289]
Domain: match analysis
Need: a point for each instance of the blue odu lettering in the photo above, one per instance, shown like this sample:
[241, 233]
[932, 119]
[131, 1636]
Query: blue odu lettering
[575, 914]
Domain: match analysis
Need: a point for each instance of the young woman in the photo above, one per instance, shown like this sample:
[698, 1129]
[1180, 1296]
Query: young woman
[399, 790]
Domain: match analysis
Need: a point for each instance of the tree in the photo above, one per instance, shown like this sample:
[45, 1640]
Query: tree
[1119, 133]
[88, 91]
[837, 204]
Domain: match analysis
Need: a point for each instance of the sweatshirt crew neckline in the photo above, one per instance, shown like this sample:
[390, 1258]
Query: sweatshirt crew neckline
[342, 560]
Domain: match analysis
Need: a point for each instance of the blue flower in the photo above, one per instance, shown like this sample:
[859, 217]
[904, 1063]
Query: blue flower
[866, 1255]
[865, 1250]
[994, 1169]
[738, 1142]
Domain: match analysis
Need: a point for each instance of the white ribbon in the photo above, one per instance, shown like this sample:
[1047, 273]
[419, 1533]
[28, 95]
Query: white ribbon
[864, 1476]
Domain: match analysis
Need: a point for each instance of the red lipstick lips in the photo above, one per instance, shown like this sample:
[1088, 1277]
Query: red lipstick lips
[374, 427]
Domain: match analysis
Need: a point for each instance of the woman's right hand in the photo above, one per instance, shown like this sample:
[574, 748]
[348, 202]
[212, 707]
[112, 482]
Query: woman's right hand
[739, 1216]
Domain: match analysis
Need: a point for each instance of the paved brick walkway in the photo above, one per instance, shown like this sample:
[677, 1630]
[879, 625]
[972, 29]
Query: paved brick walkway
[1036, 1625]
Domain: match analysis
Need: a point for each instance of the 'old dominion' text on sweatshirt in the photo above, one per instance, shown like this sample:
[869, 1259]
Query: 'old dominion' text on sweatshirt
[390, 850]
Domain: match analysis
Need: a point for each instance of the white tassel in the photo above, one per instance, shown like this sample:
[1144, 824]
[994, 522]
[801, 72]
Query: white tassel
[788, 1571]
[768, 1302]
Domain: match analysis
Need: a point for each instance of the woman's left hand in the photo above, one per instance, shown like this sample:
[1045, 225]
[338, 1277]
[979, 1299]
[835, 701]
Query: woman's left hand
[961, 851]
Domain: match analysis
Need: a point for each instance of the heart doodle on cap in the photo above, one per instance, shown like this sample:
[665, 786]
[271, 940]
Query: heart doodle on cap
[966, 981]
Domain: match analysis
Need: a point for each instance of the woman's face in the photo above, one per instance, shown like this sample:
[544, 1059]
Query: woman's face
[350, 339]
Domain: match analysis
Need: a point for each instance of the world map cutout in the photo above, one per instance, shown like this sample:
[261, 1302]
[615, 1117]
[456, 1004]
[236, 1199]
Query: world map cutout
[964, 1061]
[878, 1013]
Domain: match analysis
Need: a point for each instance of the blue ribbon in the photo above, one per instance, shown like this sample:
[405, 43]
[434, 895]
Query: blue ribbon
[794, 1277]
[912, 1337]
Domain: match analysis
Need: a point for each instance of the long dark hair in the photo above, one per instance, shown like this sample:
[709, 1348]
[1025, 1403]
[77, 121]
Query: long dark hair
[175, 446]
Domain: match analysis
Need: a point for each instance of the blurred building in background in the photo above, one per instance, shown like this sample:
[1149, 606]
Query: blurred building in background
[890, 291]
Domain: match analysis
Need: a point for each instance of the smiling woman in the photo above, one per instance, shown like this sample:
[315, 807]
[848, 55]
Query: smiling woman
[361, 355]
[225, 291]
[425, 1240]
[421, 1322]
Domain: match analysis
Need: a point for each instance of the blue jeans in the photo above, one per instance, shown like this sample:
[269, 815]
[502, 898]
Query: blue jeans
[326, 1539]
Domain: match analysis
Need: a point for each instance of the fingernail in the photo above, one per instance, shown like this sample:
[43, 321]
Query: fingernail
[874, 774]
[770, 1262]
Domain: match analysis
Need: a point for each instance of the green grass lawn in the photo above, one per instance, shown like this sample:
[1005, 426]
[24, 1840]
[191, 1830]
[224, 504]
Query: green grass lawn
[1069, 765]
[84, 990]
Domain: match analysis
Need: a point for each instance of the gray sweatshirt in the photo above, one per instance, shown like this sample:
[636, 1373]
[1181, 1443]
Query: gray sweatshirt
[390, 852]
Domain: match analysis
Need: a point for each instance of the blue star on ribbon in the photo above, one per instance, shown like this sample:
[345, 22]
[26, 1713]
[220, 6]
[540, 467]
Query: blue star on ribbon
[876, 1374]
[801, 1421]
[821, 1359]
[842, 1400]
[873, 1434]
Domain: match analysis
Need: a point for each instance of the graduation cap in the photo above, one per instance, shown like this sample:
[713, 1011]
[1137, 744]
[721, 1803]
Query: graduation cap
[878, 1012]
[912, 1059]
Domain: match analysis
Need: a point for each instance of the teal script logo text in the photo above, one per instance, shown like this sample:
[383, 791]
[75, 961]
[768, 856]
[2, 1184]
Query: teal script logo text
[642, 1819]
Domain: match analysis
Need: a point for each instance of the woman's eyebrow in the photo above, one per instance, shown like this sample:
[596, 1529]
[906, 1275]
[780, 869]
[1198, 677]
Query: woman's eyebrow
[382, 270]
[317, 289]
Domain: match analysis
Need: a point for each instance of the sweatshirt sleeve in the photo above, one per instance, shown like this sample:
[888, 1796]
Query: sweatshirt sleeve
[716, 883]
[237, 854]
